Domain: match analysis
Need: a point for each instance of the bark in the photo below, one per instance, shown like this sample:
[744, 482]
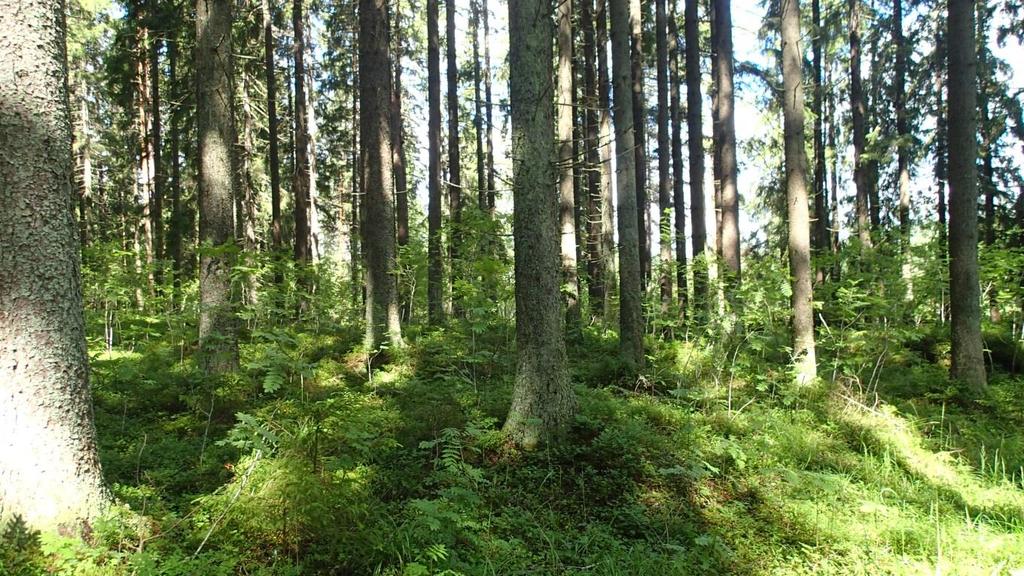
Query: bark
[491, 191]
[398, 157]
[604, 120]
[454, 152]
[595, 258]
[695, 144]
[435, 266]
[630, 273]
[566, 158]
[796, 195]
[820, 237]
[179, 220]
[478, 108]
[636, 60]
[274, 159]
[216, 131]
[300, 175]
[543, 403]
[902, 128]
[49, 467]
[84, 159]
[940, 137]
[156, 146]
[678, 186]
[375, 69]
[664, 155]
[860, 178]
[356, 218]
[726, 143]
[968, 365]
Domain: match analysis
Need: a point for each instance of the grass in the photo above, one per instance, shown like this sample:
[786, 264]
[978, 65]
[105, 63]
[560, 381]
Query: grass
[303, 463]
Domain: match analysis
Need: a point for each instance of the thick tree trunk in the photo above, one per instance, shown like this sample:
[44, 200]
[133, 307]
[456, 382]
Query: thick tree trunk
[631, 318]
[678, 186]
[274, 159]
[543, 403]
[968, 366]
[454, 153]
[636, 60]
[566, 158]
[216, 130]
[435, 266]
[664, 156]
[49, 468]
[300, 175]
[726, 143]
[695, 144]
[796, 195]
[860, 178]
[382, 316]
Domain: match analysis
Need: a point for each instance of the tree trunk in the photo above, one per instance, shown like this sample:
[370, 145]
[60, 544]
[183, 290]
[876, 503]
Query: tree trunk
[454, 152]
[664, 156]
[435, 266]
[695, 144]
[274, 160]
[478, 108]
[156, 143]
[178, 219]
[636, 59]
[543, 403]
[382, 318]
[796, 195]
[902, 130]
[631, 329]
[567, 204]
[49, 468]
[604, 120]
[398, 155]
[487, 107]
[678, 186]
[859, 137]
[968, 366]
[940, 135]
[726, 143]
[595, 258]
[216, 130]
[820, 237]
[300, 175]
[356, 218]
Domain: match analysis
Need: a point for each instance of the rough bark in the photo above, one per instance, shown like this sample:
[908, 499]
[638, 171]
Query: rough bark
[49, 468]
[543, 403]
[796, 195]
[375, 69]
[664, 155]
[216, 131]
[726, 143]
[435, 266]
[860, 178]
[695, 144]
[902, 129]
[300, 175]
[968, 366]
[566, 158]
[398, 154]
[631, 317]
[595, 258]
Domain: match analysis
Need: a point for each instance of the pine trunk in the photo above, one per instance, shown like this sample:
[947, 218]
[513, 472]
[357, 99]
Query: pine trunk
[454, 153]
[678, 186]
[300, 175]
[664, 156]
[860, 178]
[695, 144]
[564, 136]
[435, 266]
[274, 159]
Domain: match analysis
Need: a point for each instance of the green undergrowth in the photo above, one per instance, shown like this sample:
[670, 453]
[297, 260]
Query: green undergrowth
[305, 463]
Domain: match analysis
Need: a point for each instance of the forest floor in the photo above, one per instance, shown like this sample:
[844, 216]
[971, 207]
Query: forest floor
[304, 463]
